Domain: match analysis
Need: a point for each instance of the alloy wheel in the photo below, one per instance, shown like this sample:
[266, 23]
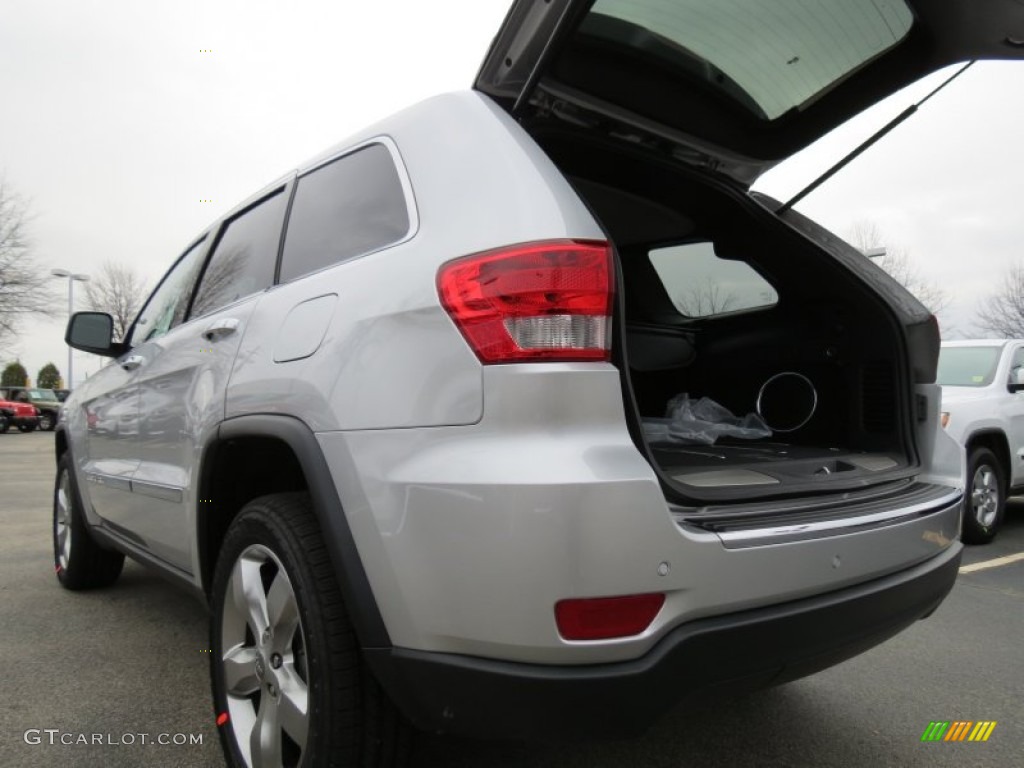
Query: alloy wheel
[985, 495]
[62, 520]
[264, 662]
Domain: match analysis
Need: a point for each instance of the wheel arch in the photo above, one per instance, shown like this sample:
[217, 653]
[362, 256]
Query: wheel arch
[60, 441]
[995, 440]
[255, 455]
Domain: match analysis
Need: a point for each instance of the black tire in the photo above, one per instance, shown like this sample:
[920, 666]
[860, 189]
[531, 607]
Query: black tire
[985, 502]
[79, 561]
[47, 421]
[27, 427]
[5, 423]
[313, 660]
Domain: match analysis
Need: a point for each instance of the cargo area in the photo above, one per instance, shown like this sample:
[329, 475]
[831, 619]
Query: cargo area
[719, 299]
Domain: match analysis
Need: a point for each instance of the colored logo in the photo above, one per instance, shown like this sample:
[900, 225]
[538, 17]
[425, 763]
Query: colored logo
[958, 730]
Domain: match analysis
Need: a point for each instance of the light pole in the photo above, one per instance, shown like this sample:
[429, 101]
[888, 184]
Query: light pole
[71, 308]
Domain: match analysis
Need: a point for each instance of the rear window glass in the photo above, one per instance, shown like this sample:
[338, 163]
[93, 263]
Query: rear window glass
[350, 206]
[967, 366]
[701, 284]
[748, 51]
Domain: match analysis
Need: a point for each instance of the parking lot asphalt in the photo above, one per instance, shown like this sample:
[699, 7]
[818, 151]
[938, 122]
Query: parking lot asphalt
[132, 660]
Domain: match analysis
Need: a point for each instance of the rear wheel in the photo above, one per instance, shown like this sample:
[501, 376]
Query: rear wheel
[289, 685]
[80, 562]
[5, 423]
[27, 427]
[47, 421]
[986, 497]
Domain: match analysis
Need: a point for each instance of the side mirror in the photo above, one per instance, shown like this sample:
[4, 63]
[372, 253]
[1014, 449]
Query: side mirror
[93, 332]
[1017, 380]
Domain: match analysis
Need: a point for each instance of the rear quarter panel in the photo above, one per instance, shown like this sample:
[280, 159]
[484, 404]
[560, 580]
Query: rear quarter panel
[390, 355]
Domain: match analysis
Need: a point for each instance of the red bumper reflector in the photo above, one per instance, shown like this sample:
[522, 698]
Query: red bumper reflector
[600, 618]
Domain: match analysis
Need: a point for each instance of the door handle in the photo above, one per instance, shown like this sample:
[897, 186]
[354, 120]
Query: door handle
[220, 328]
[132, 362]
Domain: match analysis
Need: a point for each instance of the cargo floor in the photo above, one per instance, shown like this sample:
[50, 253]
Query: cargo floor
[751, 463]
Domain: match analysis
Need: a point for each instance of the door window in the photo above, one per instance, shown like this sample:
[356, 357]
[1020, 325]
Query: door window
[167, 305]
[244, 257]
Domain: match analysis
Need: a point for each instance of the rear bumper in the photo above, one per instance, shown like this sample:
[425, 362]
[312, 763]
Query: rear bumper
[721, 655]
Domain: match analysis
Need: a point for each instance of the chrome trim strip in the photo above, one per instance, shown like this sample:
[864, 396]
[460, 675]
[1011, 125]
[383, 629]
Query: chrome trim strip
[158, 491]
[773, 534]
[109, 481]
[810, 413]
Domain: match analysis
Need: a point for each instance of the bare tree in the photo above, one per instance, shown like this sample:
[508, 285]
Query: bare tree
[704, 300]
[897, 262]
[117, 290]
[1003, 313]
[222, 282]
[24, 286]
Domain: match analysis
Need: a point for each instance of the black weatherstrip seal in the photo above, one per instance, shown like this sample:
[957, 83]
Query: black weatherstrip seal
[355, 587]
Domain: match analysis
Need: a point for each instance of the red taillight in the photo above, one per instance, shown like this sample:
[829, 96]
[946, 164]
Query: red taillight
[541, 301]
[600, 618]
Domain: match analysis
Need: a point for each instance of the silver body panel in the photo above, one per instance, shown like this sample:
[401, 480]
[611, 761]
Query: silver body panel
[477, 496]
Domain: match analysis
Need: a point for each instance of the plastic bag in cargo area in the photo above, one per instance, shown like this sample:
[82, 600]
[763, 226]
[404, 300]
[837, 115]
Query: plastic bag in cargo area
[702, 422]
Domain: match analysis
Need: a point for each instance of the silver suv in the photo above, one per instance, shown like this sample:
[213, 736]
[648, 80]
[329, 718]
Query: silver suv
[415, 418]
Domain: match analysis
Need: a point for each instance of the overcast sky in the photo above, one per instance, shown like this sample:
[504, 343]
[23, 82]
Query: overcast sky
[116, 122]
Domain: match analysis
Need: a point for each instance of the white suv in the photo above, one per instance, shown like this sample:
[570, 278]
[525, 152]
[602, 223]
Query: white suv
[983, 409]
[388, 416]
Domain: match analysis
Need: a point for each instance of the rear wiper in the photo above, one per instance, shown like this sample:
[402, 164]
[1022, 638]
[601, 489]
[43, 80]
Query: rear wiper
[868, 142]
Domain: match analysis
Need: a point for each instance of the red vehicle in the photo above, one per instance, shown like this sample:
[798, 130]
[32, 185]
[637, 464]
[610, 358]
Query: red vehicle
[24, 416]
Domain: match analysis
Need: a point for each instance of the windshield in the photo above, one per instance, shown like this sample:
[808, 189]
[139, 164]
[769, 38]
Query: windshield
[43, 394]
[967, 366]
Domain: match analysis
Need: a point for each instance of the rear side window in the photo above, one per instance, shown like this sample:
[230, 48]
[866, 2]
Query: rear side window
[702, 284]
[350, 206]
[244, 258]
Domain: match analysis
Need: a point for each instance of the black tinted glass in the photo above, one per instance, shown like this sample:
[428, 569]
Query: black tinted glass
[243, 259]
[346, 208]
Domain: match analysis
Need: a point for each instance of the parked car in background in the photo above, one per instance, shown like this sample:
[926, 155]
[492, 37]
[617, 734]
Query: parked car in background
[387, 415]
[62, 394]
[24, 416]
[983, 409]
[44, 399]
